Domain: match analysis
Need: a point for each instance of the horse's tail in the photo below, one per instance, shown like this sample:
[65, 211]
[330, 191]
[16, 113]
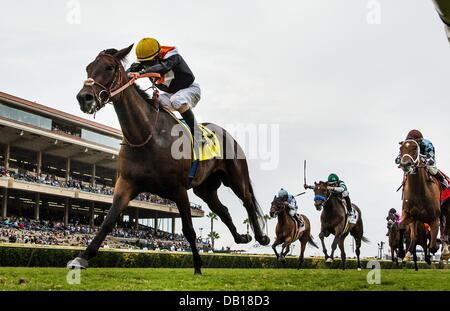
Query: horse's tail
[259, 212]
[365, 240]
[311, 241]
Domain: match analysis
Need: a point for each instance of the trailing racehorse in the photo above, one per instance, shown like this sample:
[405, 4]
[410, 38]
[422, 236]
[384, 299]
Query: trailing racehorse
[288, 230]
[148, 162]
[421, 196]
[395, 243]
[334, 221]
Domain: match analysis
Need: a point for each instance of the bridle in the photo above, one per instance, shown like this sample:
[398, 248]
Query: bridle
[90, 82]
[113, 90]
[322, 199]
[280, 207]
[415, 161]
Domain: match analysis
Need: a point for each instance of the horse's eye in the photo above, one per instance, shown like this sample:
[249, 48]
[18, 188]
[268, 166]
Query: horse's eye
[109, 68]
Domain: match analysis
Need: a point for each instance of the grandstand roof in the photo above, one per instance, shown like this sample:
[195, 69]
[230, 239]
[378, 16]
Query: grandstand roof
[58, 114]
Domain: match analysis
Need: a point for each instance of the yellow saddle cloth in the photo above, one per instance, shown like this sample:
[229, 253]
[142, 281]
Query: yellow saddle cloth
[210, 149]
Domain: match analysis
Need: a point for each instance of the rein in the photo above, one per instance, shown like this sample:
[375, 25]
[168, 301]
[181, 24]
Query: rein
[111, 92]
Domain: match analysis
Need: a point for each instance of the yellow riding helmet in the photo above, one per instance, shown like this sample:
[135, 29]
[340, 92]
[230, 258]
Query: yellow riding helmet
[147, 49]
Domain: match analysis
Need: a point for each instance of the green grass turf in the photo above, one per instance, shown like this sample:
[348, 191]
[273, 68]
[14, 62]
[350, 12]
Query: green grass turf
[220, 279]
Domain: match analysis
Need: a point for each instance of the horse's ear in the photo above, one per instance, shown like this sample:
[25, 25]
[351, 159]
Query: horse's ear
[315, 184]
[120, 55]
[400, 142]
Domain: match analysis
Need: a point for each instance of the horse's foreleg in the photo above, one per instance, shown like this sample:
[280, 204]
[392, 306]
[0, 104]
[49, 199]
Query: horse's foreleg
[123, 192]
[274, 247]
[336, 239]
[322, 240]
[412, 240]
[414, 252]
[287, 247]
[184, 207]
[303, 243]
[434, 230]
[342, 249]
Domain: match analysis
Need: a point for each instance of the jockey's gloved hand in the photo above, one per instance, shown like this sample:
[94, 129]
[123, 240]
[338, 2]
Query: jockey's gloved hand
[135, 67]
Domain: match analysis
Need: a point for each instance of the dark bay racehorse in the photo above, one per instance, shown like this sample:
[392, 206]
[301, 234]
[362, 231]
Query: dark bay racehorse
[147, 162]
[287, 230]
[333, 220]
[421, 197]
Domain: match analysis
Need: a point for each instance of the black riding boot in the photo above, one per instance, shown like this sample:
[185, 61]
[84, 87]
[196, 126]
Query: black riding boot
[189, 117]
[348, 202]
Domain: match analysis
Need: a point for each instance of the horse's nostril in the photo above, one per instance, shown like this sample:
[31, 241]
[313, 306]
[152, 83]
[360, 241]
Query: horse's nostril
[88, 98]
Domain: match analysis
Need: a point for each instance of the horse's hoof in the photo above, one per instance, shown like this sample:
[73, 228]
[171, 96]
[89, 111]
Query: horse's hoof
[359, 269]
[408, 257]
[329, 259]
[244, 238]
[434, 250]
[445, 256]
[77, 263]
[264, 240]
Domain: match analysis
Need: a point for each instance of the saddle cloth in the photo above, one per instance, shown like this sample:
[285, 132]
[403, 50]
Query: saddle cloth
[445, 195]
[210, 149]
[353, 218]
[300, 226]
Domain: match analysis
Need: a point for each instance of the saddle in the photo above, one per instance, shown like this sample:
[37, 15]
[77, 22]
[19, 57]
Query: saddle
[210, 149]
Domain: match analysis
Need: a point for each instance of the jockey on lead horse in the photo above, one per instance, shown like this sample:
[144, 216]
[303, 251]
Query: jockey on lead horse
[177, 82]
[427, 152]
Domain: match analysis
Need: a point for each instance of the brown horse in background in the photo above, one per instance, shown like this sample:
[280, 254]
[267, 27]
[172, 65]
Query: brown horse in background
[421, 197]
[334, 221]
[147, 162]
[287, 231]
[395, 241]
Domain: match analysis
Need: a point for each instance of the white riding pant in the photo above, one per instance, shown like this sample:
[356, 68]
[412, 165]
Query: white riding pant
[190, 95]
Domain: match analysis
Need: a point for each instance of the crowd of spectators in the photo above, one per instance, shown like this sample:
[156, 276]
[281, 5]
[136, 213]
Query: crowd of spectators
[52, 180]
[42, 232]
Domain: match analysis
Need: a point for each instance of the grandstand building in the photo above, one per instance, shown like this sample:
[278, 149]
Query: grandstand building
[61, 167]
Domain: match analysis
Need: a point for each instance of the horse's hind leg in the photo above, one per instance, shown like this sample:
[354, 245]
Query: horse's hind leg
[238, 180]
[208, 193]
[123, 192]
[358, 251]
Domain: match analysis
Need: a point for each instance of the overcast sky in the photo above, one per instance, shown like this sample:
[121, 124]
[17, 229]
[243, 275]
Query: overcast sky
[341, 91]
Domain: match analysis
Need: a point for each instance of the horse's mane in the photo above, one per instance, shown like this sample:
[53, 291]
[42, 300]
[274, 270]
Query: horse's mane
[145, 96]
